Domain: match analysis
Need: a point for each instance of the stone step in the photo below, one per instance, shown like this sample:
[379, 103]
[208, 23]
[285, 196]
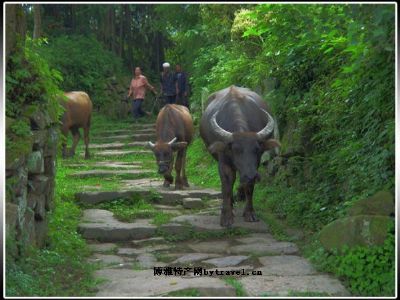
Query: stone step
[131, 137]
[169, 197]
[267, 286]
[100, 225]
[212, 223]
[107, 173]
[122, 152]
[117, 145]
[107, 164]
[128, 283]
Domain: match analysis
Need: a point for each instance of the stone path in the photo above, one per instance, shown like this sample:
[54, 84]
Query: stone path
[188, 238]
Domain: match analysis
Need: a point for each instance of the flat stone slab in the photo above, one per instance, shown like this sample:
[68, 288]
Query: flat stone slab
[146, 261]
[138, 251]
[129, 283]
[148, 135]
[173, 228]
[122, 152]
[220, 246]
[282, 285]
[191, 203]
[208, 222]
[102, 247]
[192, 257]
[256, 238]
[119, 165]
[107, 259]
[274, 248]
[149, 241]
[227, 261]
[94, 197]
[286, 265]
[149, 183]
[99, 224]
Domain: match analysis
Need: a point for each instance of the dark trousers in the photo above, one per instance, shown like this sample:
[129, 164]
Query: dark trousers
[182, 100]
[137, 111]
[170, 99]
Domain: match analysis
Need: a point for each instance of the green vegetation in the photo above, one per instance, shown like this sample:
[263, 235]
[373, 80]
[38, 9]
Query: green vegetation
[366, 270]
[240, 292]
[185, 293]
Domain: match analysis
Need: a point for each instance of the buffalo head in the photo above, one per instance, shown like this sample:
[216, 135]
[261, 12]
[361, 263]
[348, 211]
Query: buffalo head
[244, 148]
[164, 153]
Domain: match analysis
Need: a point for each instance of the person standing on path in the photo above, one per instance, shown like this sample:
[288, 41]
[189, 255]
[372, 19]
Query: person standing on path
[167, 82]
[137, 91]
[182, 86]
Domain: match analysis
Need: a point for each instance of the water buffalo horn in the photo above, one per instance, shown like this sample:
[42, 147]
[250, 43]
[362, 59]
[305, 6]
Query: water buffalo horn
[172, 141]
[226, 136]
[263, 133]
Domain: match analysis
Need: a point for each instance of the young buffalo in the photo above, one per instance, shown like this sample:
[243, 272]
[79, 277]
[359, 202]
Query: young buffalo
[174, 131]
[78, 111]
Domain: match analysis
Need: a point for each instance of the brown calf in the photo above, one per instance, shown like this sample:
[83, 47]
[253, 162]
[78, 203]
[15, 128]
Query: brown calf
[174, 131]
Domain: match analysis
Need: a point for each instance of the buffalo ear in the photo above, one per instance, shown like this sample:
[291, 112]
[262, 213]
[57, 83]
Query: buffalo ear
[217, 147]
[270, 144]
[179, 145]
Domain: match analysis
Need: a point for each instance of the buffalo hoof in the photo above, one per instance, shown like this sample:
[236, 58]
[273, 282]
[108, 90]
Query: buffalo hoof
[166, 184]
[250, 216]
[226, 219]
[186, 184]
[178, 186]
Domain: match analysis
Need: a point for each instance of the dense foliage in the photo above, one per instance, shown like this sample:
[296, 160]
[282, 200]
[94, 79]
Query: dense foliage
[84, 64]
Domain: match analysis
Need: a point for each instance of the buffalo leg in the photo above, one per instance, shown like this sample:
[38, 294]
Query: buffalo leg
[64, 132]
[178, 168]
[76, 137]
[248, 213]
[86, 138]
[240, 195]
[168, 178]
[228, 176]
[184, 178]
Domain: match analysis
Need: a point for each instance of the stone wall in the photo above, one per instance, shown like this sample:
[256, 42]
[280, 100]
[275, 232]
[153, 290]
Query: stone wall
[30, 183]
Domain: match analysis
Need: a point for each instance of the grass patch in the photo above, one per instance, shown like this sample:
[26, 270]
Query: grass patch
[184, 293]
[161, 218]
[240, 292]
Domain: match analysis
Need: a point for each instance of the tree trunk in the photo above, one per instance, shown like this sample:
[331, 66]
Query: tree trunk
[121, 32]
[37, 27]
[15, 27]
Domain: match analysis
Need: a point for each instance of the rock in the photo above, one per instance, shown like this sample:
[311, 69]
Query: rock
[146, 261]
[192, 203]
[382, 203]
[102, 226]
[50, 166]
[20, 188]
[282, 285]
[286, 265]
[220, 246]
[52, 139]
[103, 247]
[207, 222]
[39, 184]
[11, 216]
[37, 204]
[35, 162]
[192, 257]
[173, 228]
[152, 240]
[275, 248]
[361, 230]
[39, 138]
[28, 228]
[227, 261]
[117, 145]
[256, 238]
[130, 251]
[39, 119]
[108, 259]
[98, 197]
[120, 284]
[41, 230]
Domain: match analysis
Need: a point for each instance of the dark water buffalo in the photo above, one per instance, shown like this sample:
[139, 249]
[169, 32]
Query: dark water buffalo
[174, 131]
[78, 111]
[237, 128]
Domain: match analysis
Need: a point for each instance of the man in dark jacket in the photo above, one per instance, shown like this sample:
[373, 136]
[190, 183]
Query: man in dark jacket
[168, 87]
[182, 86]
